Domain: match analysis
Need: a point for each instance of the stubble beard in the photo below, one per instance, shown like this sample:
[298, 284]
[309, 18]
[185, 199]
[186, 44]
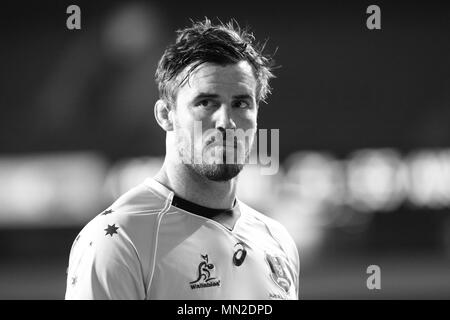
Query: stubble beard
[218, 172]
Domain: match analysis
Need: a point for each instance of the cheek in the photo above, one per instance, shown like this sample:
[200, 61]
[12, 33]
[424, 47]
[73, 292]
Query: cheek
[183, 123]
[249, 121]
[181, 132]
[190, 133]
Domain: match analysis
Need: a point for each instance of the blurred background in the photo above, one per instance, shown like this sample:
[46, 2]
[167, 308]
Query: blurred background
[363, 115]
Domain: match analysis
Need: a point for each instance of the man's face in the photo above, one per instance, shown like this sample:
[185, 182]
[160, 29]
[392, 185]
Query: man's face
[218, 99]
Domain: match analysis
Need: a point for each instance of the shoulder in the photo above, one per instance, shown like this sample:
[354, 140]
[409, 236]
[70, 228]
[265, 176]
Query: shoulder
[135, 212]
[277, 230]
[274, 226]
[281, 236]
[142, 199]
[123, 234]
[130, 218]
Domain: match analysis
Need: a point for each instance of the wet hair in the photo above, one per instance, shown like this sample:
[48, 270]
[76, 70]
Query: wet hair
[222, 44]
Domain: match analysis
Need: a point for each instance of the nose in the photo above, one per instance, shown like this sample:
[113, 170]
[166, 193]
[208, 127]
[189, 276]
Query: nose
[223, 118]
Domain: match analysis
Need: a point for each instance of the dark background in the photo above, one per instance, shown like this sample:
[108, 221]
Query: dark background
[340, 89]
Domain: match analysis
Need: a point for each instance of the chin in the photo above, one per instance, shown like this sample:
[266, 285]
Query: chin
[218, 172]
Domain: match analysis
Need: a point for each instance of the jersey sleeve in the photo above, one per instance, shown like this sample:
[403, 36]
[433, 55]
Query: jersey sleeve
[104, 264]
[294, 256]
[290, 248]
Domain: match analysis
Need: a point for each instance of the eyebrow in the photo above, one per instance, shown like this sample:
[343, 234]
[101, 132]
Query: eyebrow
[204, 95]
[243, 96]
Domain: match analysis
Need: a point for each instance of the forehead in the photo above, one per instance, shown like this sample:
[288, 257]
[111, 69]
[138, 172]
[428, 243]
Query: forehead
[237, 78]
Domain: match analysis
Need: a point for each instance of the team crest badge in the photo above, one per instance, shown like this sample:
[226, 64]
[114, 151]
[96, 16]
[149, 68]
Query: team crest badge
[204, 275]
[278, 272]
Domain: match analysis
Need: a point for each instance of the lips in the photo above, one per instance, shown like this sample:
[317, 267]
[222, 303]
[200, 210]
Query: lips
[224, 145]
[213, 142]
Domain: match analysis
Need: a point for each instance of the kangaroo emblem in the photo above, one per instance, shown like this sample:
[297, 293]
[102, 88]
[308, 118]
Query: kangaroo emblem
[204, 272]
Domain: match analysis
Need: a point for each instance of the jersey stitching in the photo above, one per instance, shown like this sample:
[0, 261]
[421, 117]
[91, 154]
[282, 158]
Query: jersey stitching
[156, 193]
[166, 208]
[140, 212]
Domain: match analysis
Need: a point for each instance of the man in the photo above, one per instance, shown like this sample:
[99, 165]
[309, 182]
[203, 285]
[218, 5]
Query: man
[183, 234]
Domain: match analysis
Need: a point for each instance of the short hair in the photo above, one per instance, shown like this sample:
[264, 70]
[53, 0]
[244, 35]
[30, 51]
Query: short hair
[222, 44]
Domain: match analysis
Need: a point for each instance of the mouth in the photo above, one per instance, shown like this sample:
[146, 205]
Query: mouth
[223, 144]
[230, 153]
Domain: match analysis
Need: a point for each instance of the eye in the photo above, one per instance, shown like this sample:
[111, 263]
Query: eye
[205, 103]
[241, 104]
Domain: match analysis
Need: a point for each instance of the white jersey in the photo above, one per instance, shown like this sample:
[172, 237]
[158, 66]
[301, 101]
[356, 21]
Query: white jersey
[144, 247]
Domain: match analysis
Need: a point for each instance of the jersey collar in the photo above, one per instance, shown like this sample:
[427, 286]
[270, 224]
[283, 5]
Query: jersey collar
[226, 217]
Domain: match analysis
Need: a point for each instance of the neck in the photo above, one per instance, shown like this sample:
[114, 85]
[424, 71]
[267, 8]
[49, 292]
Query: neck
[189, 185]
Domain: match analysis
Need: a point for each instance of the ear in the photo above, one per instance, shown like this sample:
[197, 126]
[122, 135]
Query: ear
[163, 115]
